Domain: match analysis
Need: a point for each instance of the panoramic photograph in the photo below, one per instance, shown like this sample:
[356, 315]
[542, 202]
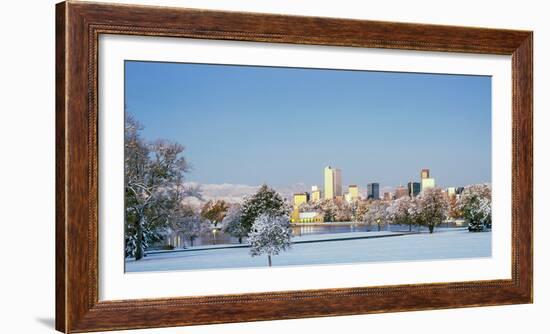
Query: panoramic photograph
[232, 166]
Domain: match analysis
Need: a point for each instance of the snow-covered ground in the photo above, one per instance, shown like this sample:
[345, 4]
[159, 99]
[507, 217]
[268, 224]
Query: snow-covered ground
[295, 239]
[440, 245]
[343, 235]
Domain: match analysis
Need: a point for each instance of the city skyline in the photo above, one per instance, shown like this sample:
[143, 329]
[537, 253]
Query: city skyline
[276, 125]
[333, 191]
[314, 192]
[333, 187]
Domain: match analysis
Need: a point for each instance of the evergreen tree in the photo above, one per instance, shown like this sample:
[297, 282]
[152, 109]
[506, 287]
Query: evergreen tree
[265, 201]
[475, 206]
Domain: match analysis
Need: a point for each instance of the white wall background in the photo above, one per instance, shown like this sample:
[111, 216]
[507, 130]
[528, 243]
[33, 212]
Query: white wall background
[27, 69]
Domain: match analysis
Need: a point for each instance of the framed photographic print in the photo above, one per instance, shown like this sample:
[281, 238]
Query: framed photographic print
[223, 166]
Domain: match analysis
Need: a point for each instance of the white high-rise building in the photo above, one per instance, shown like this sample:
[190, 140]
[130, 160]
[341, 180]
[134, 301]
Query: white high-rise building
[329, 183]
[333, 182]
[427, 183]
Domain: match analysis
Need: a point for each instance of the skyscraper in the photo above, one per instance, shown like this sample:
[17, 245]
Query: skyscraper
[424, 173]
[329, 183]
[315, 194]
[425, 181]
[373, 191]
[338, 183]
[333, 182]
[353, 191]
[413, 188]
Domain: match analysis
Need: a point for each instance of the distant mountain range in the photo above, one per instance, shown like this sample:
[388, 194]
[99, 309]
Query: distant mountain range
[235, 193]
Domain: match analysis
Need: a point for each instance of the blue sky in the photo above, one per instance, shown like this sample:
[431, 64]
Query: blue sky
[282, 126]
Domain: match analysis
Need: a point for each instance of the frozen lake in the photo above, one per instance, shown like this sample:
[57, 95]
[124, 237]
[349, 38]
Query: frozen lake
[445, 244]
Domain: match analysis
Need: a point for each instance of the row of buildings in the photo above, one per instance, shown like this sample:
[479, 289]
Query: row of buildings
[413, 188]
[333, 189]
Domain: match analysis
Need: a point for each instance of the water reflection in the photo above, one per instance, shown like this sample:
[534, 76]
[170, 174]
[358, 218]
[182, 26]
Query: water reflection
[218, 238]
[211, 238]
[299, 230]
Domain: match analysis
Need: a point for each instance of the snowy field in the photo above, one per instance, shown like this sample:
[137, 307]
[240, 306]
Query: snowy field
[440, 245]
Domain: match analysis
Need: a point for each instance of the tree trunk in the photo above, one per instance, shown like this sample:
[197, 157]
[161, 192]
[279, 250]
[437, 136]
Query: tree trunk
[139, 239]
[410, 227]
[240, 240]
[269, 260]
[191, 239]
[431, 227]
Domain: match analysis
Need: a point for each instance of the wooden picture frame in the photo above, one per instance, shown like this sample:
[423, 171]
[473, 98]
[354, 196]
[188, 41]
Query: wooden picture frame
[78, 26]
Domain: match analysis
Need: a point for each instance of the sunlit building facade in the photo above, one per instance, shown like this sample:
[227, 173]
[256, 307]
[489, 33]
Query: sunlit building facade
[427, 183]
[307, 217]
[333, 182]
[353, 191]
[315, 194]
[300, 199]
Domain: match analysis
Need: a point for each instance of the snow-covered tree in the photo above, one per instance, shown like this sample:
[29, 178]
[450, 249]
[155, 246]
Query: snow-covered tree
[309, 206]
[433, 207]
[454, 210]
[265, 201]
[333, 210]
[415, 211]
[328, 209]
[343, 211]
[401, 211]
[361, 209]
[377, 213]
[150, 170]
[475, 206]
[270, 235]
[232, 223]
